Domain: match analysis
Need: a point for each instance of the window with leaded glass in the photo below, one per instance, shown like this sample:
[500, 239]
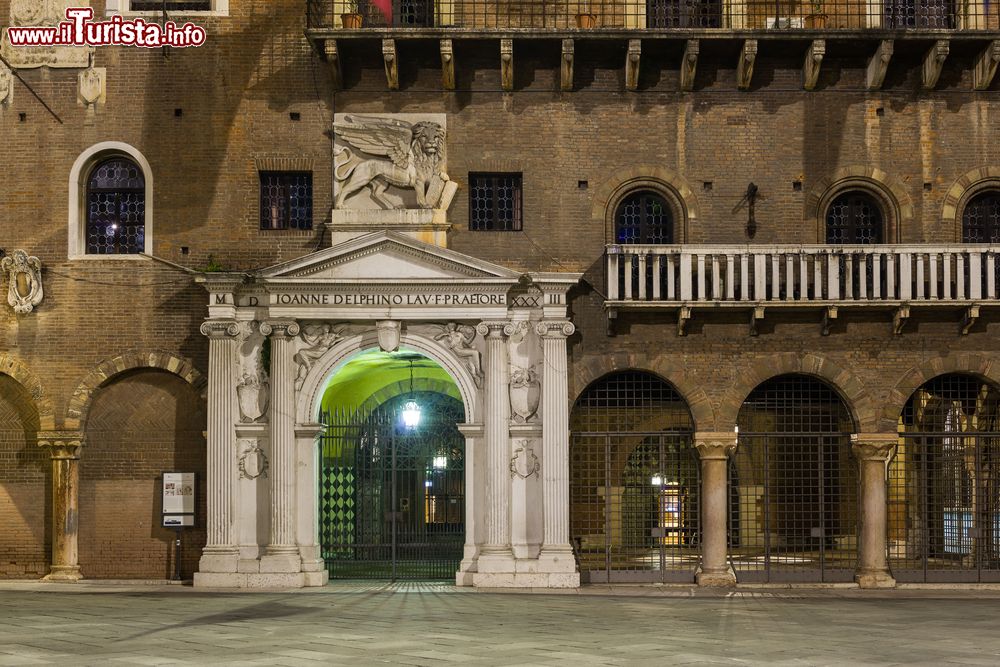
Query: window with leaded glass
[286, 200]
[919, 14]
[116, 208]
[644, 217]
[981, 218]
[683, 13]
[854, 217]
[495, 202]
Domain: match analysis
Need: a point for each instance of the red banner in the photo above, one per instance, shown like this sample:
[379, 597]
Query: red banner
[384, 6]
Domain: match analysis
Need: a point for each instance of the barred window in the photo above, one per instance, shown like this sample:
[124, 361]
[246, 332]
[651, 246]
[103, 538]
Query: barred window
[683, 13]
[171, 5]
[644, 217]
[495, 202]
[854, 217]
[116, 208]
[286, 200]
[981, 218]
[919, 14]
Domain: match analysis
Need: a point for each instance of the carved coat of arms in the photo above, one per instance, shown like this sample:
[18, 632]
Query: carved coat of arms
[43, 13]
[381, 152]
[24, 274]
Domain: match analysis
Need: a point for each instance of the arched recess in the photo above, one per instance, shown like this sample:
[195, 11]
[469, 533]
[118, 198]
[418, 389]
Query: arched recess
[25, 480]
[311, 394]
[79, 403]
[968, 363]
[858, 400]
[77, 205]
[967, 186]
[889, 192]
[16, 369]
[693, 393]
[634, 481]
[665, 182]
[141, 422]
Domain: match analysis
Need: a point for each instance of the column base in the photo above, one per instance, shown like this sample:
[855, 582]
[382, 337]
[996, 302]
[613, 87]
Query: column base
[557, 559]
[219, 562]
[875, 579]
[63, 573]
[525, 580]
[274, 563]
[715, 578]
[259, 580]
[495, 561]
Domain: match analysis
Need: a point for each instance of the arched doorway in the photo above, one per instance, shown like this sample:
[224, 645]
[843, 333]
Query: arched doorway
[944, 483]
[634, 481]
[796, 515]
[392, 469]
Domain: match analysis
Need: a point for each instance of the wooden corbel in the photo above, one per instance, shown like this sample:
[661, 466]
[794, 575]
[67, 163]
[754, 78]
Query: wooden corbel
[878, 65]
[934, 63]
[811, 66]
[447, 65]
[391, 63]
[986, 65]
[566, 68]
[632, 64]
[333, 62]
[689, 64]
[507, 64]
[744, 69]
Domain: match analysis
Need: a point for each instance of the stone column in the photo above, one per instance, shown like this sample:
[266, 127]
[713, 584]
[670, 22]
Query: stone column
[64, 447]
[282, 550]
[714, 449]
[496, 554]
[221, 552]
[556, 553]
[873, 451]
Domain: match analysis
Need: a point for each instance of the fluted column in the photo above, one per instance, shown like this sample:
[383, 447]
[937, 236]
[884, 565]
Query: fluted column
[283, 450]
[556, 550]
[496, 553]
[221, 552]
[714, 449]
[873, 451]
[64, 448]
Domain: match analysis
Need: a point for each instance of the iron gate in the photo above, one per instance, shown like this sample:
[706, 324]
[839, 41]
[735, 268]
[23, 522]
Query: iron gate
[795, 513]
[634, 483]
[392, 497]
[944, 484]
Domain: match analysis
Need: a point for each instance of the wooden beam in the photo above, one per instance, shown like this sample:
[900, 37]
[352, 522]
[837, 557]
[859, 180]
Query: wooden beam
[447, 65]
[507, 64]
[969, 318]
[333, 62]
[878, 65]
[986, 66]
[683, 317]
[632, 64]
[811, 66]
[689, 64]
[744, 68]
[899, 319]
[391, 63]
[566, 68]
[934, 63]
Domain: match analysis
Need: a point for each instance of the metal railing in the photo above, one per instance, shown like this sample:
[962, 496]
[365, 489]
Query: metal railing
[543, 15]
[802, 274]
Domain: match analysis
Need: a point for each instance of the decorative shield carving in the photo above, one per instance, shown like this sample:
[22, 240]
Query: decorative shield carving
[253, 462]
[525, 392]
[389, 332]
[253, 392]
[43, 13]
[92, 85]
[524, 463]
[24, 275]
[6, 85]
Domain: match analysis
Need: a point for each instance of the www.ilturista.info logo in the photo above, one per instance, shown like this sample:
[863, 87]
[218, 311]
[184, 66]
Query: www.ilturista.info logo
[79, 30]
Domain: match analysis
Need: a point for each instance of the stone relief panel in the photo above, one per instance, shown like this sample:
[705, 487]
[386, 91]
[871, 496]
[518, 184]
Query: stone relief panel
[6, 86]
[24, 277]
[461, 338]
[43, 13]
[253, 461]
[318, 338]
[525, 393]
[253, 387]
[391, 161]
[524, 463]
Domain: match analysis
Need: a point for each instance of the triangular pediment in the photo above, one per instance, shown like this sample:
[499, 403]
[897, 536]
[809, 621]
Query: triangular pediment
[387, 256]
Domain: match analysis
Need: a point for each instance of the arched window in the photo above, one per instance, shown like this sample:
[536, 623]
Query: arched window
[981, 218]
[854, 217]
[644, 217]
[116, 207]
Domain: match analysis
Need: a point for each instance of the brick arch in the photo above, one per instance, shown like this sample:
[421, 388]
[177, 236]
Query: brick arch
[860, 404]
[16, 369]
[594, 368]
[962, 190]
[966, 363]
[645, 176]
[79, 403]
[890, 191]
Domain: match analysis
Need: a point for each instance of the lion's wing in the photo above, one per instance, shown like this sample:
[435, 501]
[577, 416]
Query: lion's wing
[378, 136]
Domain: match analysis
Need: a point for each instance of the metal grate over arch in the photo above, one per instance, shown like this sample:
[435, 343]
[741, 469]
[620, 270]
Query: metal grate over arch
[944, 484]
[794, 517]
[634, 481]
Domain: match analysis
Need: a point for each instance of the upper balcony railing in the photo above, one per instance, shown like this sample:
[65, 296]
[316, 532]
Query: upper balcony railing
[659, 15]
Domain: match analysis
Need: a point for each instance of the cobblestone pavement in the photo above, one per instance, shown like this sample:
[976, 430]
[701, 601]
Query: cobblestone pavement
[355, 624]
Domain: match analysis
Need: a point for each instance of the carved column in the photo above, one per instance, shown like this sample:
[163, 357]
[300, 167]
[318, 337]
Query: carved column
[282, 551]
[873, 451]
[556, 550]
[496, 555]
[64, 448]
[714, 449]
[221, 553]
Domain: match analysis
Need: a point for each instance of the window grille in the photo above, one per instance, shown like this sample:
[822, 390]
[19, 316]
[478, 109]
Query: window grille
[981, 218]
[171, 5]
[495, 203]
[854, 217]
[644, 217]
[286, 200]
[919, 14]
[397, 13]
[683, 13]
[116, 208]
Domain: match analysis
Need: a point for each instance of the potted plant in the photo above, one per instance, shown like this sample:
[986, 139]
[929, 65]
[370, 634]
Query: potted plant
[817, 19]
[351, 19]
[585, 18]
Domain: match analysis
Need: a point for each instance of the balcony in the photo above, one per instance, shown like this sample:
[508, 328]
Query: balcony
[896, 278]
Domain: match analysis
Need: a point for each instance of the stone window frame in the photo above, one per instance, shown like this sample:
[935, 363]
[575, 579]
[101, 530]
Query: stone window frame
[966, 187]
[892, 213]
[980, 188]
[678, 211]
[122, 7]
[622, 182]
[77, 203]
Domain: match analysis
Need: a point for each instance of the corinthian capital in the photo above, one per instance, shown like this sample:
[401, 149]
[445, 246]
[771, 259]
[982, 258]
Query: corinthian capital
[280, 328]
[61, 444]
[715, 446]
[873, 446]
[555, 329]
